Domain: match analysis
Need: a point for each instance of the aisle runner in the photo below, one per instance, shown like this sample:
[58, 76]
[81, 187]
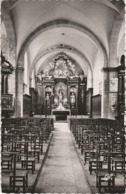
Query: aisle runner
[62, 172]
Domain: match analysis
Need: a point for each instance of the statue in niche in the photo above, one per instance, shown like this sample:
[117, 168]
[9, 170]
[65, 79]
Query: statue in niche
[122, 61]
[60, 107]
[60, 96]
[47, 100]
[72, 99]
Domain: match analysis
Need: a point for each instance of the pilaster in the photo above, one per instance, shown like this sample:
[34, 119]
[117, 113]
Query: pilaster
[19, 91]
[109, 93]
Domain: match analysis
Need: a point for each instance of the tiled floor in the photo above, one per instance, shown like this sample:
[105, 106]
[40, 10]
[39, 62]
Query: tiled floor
[62, 172]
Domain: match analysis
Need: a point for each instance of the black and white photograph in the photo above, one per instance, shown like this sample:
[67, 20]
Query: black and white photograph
[63, 100]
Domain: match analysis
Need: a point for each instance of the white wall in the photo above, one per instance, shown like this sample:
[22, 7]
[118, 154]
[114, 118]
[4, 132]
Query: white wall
[97, 74]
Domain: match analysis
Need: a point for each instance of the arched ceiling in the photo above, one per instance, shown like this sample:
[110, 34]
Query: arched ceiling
[55, 37]
[28, 15]
[96, 16]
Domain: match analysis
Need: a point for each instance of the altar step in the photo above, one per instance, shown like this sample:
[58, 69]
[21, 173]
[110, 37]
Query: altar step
[61, 121]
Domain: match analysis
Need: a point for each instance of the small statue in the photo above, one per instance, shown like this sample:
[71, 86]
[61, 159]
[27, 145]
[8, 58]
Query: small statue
[72, 99]
[48, 100]
[60, 96]
[122, 60]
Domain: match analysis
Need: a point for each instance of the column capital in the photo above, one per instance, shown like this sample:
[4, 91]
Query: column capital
[19, 69]
[109, 69]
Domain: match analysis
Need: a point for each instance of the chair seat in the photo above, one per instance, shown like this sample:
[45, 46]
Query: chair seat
[21, 173]
[86, 151]
[36, 150]
[118, 159]
[6, 159]
[103, 172]
[95, 160]
[7, 171]
[29, 159]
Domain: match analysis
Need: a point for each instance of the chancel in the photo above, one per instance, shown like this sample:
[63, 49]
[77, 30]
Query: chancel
[63, 96]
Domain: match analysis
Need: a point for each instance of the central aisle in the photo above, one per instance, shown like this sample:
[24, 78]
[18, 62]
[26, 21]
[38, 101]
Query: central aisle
[62, 171]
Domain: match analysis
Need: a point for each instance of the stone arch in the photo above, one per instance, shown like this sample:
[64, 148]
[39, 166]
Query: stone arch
[7, 19]
[63, 23]
[10, 38]
[56, 48]
[114, 41]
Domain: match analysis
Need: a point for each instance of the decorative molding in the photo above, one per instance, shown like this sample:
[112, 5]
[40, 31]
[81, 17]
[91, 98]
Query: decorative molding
[60, 46]
[61, 66]
[54, 48]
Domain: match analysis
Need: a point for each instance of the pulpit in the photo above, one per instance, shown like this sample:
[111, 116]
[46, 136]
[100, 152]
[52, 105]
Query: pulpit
[7, 101]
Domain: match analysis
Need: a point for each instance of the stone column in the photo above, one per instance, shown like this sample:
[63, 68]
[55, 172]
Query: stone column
[4, 84]
[30, 82]
[52, 95]
[90, 92]
[105, 93]
[76, 95]
[68, 94]
[19, 91]
[109, 93]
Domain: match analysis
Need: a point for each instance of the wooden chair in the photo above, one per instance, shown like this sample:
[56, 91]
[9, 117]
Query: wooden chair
[105, 179]
[95, 164]
[6, 162]
[118, 164]
[20, 179]
[28, 163]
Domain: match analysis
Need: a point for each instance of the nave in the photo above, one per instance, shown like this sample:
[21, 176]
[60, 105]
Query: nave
[40, 155]
[62, 172]
[63, 60]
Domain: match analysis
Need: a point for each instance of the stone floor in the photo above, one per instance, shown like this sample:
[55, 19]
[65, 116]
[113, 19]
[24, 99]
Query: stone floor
[62, 171]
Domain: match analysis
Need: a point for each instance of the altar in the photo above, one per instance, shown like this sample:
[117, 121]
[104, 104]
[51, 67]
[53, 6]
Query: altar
[61, 86]
[61, 114]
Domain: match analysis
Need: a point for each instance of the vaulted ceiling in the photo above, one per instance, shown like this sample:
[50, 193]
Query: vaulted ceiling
[83, 27]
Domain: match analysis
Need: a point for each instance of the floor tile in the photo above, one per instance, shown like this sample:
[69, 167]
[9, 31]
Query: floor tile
[59, 169]
[59, 189]
[59, 179]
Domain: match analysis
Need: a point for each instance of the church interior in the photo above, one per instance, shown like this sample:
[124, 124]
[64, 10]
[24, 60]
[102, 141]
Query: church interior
[63, 96]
